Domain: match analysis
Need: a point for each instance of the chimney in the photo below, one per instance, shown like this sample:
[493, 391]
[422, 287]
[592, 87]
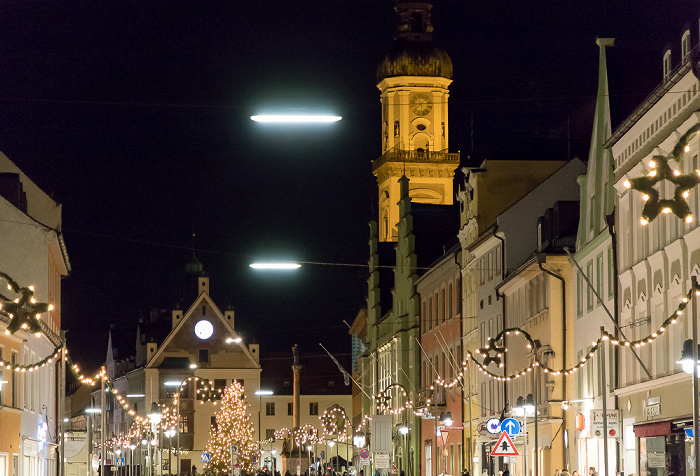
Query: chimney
[177, 317]
[255, 350]
[230, 316]
[151, 349]
[203, 285]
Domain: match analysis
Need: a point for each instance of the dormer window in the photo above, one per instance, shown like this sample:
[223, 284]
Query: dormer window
[685, 44]
[667, 64]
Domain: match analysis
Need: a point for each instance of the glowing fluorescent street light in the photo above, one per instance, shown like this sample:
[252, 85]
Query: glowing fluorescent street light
[172, 383]
[135, 395]
[275, 265]
[93, 410]
[296, 118]
[263, 392]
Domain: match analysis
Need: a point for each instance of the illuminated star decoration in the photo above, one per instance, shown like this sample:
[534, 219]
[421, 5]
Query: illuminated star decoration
[24, 311]
[492, 347]
[654, 204]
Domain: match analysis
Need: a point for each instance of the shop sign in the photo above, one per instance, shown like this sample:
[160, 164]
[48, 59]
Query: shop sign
[652, 407]
[597, 419]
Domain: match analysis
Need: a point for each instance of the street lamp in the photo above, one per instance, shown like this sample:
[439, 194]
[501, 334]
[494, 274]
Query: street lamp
[331, 443]
[689, 361]
[154, 416]
[308, 448]
[524, 407]
[170, 433]
[132, 447]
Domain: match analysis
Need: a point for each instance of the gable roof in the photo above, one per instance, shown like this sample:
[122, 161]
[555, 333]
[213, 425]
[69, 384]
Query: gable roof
[222, 330]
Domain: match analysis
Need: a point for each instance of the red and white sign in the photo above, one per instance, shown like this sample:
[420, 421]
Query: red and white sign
[504, 447]
[443, 437]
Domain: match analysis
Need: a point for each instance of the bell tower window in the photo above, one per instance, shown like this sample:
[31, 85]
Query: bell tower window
[417, 25]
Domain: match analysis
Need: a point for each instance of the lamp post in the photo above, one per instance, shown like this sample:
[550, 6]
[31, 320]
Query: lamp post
[404, 431]
[689, 360]
[154, 416]
[332, 444]
[132, 447]
[308, 448]
[523, 407]
[170, 433]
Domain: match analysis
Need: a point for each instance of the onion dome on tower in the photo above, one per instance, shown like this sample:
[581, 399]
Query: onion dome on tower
[413, 52]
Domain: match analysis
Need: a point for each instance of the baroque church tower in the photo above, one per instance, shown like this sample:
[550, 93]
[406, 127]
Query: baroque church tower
[413, 79]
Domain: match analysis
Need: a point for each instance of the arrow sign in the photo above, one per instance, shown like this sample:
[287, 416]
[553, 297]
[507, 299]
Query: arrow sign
[504, 447]
[511, 426]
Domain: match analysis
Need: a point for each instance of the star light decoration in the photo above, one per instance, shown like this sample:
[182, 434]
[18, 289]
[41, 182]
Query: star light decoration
[24, 311]
[653, 203]
[491, 346]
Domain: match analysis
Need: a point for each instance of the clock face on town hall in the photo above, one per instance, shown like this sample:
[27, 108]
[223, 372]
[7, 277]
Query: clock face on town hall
[420, 104]
[203, 329]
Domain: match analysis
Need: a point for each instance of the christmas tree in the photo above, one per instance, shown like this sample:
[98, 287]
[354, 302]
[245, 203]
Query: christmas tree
[233, 427]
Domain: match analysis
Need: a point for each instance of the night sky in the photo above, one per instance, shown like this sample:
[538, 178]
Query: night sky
[134, 115]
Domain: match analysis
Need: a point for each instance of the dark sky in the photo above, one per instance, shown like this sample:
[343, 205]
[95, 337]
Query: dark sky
[135, 116]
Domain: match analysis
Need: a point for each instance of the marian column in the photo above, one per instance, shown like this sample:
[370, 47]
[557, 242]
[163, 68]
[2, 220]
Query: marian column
[296, 368]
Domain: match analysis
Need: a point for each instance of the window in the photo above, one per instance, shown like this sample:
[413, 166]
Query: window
[290, 408]
[611, 275]
[204, 310]
[203, 356]
[685, 44]
[270, 408]
[490, 265]
[430, 313]
[450, 298]
[425, 317]
[599, 275]
[213, 423]
[436, 310]
[313, 408]
[442, 308]
[589, 291]
[184, 423]
[270, 434]
[667, 66]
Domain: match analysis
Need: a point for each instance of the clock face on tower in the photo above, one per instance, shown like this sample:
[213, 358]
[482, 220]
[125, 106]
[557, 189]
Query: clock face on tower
[203, 329]
[420, 104]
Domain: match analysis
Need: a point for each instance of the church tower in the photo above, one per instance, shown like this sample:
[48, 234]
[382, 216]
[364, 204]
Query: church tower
[413, 80]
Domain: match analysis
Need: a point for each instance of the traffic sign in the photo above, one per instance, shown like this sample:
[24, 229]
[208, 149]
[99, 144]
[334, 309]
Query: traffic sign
[511, 426]
[205, 457]
[364, 453]
[493, 426]
[504, 447]
[234, 449]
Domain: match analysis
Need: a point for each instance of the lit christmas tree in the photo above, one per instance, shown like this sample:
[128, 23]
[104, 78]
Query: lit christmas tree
[233, 427]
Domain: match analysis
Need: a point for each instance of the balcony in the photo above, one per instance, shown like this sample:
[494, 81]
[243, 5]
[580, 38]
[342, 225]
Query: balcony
[413, 156]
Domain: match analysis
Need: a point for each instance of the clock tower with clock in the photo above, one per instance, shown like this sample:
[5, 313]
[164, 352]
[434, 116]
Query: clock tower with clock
[413, 80]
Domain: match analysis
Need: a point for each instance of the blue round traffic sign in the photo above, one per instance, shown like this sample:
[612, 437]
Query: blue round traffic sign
[511, 426]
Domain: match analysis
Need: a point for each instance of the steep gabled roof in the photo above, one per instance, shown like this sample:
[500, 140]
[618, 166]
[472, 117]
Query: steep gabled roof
[222, 329]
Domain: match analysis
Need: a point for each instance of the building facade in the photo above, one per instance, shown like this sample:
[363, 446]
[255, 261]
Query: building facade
[656, 259]
[33, 253]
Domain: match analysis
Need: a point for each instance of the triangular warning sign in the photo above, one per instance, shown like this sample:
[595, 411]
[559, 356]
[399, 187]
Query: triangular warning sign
[504, 447]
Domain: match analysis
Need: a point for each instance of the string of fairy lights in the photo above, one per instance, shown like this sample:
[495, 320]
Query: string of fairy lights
[495, 350]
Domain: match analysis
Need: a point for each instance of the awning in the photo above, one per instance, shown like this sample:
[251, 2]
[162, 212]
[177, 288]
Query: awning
[660, 428]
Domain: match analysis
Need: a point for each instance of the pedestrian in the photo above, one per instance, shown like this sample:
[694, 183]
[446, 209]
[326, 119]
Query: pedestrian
[506, 472]
[194, 470]
[592, 471]
[575, 473]
[556, 472]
